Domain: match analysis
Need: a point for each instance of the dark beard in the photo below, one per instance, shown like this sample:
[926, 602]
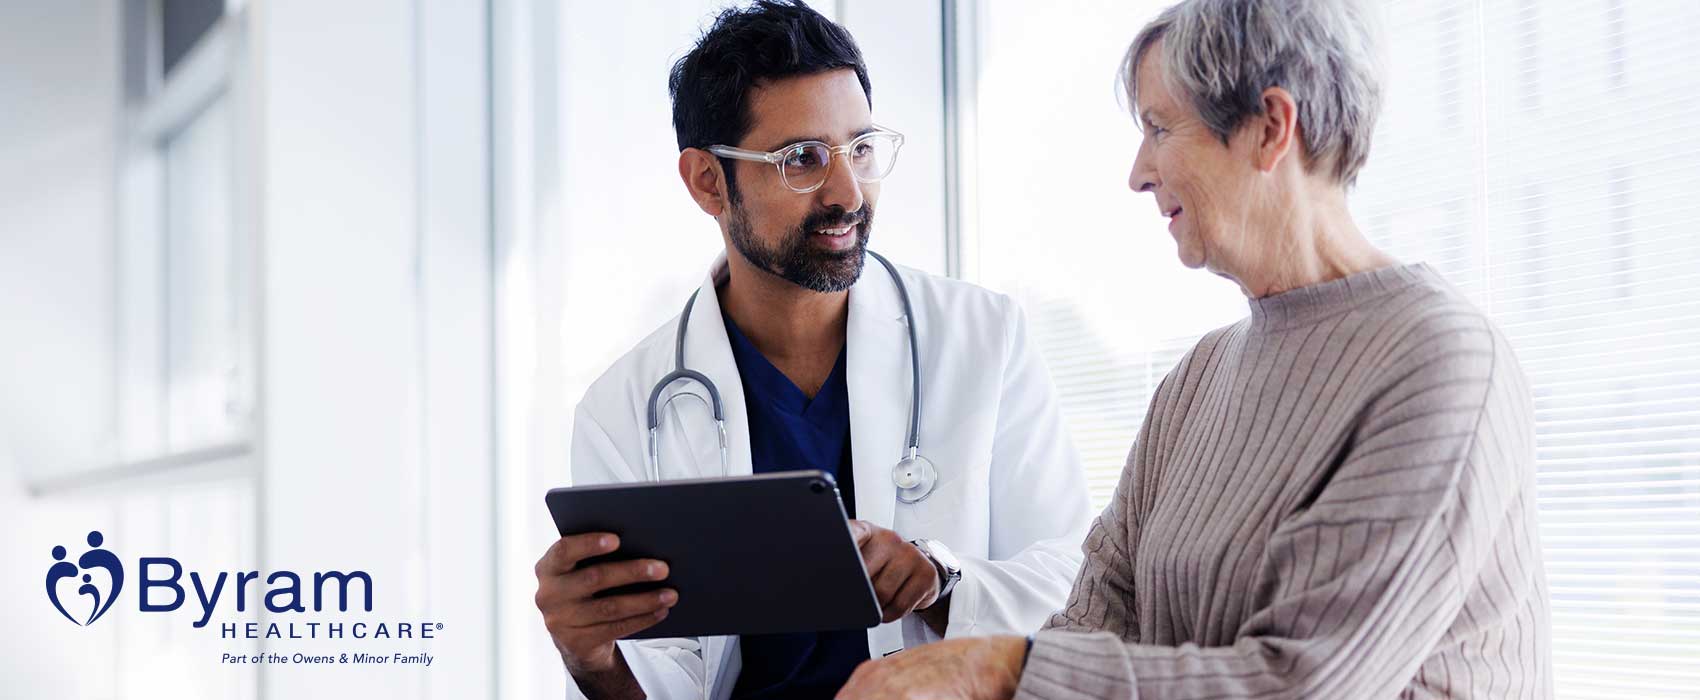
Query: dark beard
[798, 261]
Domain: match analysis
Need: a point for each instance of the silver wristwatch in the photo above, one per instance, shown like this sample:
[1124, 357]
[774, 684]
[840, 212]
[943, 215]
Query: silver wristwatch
[950, 570]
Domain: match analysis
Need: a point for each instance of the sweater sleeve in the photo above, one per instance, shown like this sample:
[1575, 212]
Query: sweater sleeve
[1102, 597]
[1368, 575]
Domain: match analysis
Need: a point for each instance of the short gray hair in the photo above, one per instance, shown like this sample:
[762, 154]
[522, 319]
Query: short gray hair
[1222, 54]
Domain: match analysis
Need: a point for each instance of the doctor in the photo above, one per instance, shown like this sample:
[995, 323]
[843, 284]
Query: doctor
[969, 520]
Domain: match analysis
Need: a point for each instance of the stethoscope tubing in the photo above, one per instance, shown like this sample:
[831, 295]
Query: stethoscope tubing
[680, 371]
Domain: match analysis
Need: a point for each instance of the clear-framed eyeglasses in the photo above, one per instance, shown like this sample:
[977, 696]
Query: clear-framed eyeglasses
[803, 166]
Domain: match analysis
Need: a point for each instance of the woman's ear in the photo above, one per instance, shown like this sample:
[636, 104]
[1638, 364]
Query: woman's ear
[700, 171]
[1278, 128]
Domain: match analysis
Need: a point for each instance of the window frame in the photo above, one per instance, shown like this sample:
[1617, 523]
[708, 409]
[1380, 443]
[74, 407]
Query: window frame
[155, 109]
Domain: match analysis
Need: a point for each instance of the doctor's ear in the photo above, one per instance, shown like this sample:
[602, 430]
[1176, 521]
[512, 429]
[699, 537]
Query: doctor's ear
[701, 173]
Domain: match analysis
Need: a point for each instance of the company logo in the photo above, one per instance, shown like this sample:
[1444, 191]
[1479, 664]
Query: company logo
[163, 585]
[95, 558]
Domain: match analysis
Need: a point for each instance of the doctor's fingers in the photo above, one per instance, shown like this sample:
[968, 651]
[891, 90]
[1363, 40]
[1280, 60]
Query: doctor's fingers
[590, 580]
[914, 593]
[597, 612]
[919, 592]
[860, 530]
[609, 632]
[567, 552]
[882, 548]
[891, 585]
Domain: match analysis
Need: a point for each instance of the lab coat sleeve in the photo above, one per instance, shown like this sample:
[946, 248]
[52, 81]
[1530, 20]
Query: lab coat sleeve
[1039, 508]
[666, 668]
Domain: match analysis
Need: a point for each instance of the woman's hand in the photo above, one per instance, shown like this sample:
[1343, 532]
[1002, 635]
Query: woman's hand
[982, 668]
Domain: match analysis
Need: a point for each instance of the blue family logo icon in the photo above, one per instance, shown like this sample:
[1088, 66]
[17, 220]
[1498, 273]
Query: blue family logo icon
[96, 559]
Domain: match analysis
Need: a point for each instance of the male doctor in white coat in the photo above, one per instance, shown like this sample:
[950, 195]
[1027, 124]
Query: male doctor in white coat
[812, 361]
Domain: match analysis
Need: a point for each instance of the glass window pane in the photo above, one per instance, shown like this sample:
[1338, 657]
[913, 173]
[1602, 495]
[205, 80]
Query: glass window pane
[1059, 229]
[203, 296]
[182, 23]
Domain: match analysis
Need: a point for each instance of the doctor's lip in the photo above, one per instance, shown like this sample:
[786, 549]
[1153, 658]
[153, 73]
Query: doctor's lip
[835, 237]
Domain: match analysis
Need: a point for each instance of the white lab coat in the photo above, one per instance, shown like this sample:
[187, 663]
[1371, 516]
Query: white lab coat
[1011, 497]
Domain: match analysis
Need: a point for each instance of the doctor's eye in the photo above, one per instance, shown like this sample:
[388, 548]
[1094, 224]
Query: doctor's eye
[803, 157]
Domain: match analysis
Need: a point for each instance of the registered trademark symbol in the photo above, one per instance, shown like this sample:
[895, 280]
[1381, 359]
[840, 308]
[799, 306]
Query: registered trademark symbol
[439, 625]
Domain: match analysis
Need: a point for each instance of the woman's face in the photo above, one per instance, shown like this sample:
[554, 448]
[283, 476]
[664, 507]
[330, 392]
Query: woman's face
[1206, 189]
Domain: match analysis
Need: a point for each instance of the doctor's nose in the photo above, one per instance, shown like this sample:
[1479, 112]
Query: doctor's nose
[841, 188]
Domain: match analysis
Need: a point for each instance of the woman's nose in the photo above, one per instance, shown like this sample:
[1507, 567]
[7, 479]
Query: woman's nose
[1143, 177]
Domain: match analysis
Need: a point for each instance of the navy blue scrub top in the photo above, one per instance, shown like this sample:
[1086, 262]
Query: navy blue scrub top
[790, 431]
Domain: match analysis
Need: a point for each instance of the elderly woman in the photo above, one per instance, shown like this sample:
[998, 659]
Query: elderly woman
[1332, 498]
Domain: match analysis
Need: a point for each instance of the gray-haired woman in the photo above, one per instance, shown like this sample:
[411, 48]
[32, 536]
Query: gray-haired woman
[1331, 498]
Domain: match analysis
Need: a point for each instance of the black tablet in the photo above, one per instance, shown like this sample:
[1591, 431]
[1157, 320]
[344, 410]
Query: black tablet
[762, 554]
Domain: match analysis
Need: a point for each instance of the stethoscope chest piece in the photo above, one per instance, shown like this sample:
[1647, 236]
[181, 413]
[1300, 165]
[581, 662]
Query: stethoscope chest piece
[915, 478]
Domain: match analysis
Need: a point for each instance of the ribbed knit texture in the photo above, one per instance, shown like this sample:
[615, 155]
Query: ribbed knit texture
[1333, 498]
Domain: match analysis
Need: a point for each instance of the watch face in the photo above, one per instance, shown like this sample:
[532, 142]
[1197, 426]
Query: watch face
[943, 555]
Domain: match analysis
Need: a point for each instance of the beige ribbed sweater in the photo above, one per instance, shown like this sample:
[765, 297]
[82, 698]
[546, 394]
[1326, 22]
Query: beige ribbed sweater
[1333, 498]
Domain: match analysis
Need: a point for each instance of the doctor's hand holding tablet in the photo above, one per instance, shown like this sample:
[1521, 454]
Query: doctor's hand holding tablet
[782, 559]
[585, 622]
[585, 613]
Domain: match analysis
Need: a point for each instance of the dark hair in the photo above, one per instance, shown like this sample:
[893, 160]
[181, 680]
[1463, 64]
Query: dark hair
[768, 40]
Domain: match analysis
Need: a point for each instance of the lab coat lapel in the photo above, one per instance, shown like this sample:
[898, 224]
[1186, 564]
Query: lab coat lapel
[879, 383]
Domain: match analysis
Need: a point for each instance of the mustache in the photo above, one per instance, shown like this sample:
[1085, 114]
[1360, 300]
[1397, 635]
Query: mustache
[833, 218]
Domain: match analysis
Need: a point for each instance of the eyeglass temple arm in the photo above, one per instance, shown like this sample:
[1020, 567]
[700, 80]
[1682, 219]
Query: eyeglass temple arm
[742, 154]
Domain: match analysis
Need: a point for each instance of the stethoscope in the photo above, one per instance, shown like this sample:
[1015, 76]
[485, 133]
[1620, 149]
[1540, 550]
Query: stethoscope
[914, 475]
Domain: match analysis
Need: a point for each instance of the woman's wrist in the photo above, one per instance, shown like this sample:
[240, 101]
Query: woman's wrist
[1011, 655]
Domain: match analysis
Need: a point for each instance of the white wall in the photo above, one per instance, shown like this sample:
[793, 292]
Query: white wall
[375, 371]
[56, 150]
[902, 43]
[340, 403]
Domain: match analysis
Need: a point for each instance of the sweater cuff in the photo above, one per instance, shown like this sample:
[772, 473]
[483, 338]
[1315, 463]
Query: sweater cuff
[1076, 666]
